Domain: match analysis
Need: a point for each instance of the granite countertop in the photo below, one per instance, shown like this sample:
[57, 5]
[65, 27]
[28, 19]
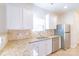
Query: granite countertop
[54, 36]
[42, 38]
[21, 47]
[17, 48]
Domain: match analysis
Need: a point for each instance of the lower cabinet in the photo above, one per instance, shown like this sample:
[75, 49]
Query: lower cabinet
[48, 46]
[41, 48]
[34, 48]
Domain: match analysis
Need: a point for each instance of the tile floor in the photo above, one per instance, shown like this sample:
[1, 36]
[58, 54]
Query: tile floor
[68, 52]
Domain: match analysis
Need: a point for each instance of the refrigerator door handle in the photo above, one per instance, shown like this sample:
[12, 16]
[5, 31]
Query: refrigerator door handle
[67, 32]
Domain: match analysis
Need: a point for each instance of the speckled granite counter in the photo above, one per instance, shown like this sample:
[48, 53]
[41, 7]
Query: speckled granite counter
[3, 40]
[16, 48]
[19, 47]
[43, 38]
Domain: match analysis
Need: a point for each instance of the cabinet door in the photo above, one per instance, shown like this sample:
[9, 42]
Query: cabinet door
[52, 22]
[27, 18]
[34, 48]
[14, 17]
[42, 48]
[45, 47]
[48, 46]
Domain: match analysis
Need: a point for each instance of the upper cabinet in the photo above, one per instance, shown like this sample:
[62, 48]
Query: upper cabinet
[14, 18]
[22, 17]
[51, 21]
[19, 17]
[27, 18]
[2, 18]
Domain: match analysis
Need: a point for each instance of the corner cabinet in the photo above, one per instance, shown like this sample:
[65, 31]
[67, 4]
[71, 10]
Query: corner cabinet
[18, 17]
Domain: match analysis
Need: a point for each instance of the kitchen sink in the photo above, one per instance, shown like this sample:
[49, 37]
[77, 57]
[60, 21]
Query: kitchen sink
[42, 37]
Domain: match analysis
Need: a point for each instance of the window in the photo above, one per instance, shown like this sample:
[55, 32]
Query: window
[38, 23]
[47, 21]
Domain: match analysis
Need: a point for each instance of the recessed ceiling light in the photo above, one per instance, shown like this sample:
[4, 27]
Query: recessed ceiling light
[65, 7]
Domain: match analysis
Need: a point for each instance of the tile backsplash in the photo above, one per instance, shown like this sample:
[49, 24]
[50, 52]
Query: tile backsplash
[50, 32]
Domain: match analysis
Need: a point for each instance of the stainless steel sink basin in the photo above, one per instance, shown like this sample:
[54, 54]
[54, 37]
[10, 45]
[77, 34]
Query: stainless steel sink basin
[42, 37]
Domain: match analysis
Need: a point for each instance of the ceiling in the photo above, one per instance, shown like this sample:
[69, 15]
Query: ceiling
[50, 7]
[58, 7]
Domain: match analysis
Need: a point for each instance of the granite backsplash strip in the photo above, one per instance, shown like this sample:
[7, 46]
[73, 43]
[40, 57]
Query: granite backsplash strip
[19, 34]
[28, 34]
[45, 33]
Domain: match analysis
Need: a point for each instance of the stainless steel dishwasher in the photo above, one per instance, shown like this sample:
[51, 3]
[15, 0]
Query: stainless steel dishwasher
[56, 44]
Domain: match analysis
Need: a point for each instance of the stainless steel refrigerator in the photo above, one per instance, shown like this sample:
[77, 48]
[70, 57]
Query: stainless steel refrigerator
[64, 31]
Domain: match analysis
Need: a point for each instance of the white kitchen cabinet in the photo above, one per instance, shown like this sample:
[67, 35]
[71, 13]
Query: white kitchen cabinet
[14, 18]
[42, 48]
[48, 46]
[52, 21]
[45, 47]
[34, 48]
[19, 17]
[27, 18]
[2, 18]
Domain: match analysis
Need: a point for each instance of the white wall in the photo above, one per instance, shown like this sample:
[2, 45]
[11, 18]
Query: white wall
[65, 18]
[2, 18]
[59, 18]
[77, 25]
